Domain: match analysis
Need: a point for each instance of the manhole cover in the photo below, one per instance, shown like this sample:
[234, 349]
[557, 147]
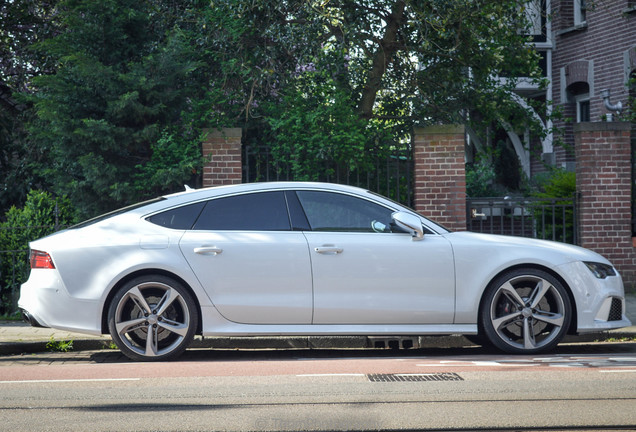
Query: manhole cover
[447, 376]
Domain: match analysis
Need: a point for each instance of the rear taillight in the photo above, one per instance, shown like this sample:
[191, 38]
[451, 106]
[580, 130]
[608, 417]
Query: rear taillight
[41, 260]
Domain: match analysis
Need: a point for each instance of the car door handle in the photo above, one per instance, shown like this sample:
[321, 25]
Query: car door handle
[208, 250]
[328, 250]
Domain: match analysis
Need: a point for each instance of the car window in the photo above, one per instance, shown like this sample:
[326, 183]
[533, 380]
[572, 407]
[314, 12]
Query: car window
[178, 218]
[328, 211]
[263, 211]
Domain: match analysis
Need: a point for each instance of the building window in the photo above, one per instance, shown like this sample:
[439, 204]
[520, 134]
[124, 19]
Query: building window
[535, 11]
[582, 108]
[580, 11]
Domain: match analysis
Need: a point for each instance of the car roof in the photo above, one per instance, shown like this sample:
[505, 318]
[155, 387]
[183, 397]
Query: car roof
[251, 187]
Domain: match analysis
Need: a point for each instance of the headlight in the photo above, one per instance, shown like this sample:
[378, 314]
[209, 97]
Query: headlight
[600, 270]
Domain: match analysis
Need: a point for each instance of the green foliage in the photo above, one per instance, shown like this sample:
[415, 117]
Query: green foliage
[557, 222]
[557, 183]
[480, 177]
[59, 346]
[318, 129]
[119, 92]
[115, 93]
[41, 215]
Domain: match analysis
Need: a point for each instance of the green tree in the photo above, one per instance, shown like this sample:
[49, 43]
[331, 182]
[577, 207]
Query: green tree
[22, 23]
[397, 63]
[119, 86]
[132, 84]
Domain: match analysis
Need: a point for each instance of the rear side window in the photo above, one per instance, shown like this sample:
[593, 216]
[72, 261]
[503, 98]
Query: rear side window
[263, 211]
[181, 218]
[329, 211]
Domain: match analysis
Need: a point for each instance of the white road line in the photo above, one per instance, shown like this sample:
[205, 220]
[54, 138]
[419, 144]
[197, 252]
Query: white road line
[332, 374]
[619, 371]
[476, 364]
[69, 380]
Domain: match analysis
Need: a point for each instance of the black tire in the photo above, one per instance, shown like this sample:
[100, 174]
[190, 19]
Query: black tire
[525, 311]
[152, 318]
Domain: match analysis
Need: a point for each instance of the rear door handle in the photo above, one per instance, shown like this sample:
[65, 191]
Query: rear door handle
[208, 250]
[328, 250]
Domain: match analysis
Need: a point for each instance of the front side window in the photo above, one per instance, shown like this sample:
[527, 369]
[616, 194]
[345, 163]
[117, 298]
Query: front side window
[329, 211]
[262, 211]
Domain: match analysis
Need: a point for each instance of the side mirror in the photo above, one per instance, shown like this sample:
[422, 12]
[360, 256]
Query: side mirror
[409, 223]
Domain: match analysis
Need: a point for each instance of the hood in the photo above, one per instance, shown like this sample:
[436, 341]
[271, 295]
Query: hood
[567, 252]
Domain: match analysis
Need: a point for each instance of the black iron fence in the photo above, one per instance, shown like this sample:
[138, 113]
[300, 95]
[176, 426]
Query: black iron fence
[542, 218]
[389, 175]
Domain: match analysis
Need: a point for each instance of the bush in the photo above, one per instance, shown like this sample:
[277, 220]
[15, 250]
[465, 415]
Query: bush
[480, 177]
[559, 220]
[41, 215]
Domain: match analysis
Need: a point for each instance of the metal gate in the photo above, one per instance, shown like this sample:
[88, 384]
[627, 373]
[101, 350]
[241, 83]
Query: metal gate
[542, 218]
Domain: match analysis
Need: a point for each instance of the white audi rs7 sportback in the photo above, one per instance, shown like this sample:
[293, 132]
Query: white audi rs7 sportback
[308, 259]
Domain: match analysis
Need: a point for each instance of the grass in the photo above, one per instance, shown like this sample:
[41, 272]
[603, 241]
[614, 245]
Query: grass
[59, 346]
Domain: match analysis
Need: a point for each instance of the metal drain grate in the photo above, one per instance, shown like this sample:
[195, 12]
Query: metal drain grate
[446, 376]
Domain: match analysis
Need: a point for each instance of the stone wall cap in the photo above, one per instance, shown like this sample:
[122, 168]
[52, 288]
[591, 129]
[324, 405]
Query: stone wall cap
[602, 126]
[225, 132]
[440, 129]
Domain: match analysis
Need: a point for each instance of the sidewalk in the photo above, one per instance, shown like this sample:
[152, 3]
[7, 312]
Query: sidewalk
[17, 337]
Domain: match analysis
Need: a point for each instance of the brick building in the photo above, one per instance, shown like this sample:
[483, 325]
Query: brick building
[593, 51]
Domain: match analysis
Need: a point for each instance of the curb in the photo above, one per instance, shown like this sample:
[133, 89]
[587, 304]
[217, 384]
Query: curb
[309, 342]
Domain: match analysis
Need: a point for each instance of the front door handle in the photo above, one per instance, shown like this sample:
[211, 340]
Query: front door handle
[208, 250]
[328, 250]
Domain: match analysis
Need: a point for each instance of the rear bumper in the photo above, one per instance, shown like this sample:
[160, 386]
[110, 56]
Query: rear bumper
[46, 303]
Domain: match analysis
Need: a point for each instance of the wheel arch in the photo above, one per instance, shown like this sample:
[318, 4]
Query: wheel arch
[146, 272]
[566, 286]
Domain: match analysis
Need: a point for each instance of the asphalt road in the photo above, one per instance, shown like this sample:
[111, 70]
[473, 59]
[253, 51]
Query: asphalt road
[579, 387]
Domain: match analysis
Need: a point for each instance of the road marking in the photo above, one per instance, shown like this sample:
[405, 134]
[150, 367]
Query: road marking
[619, 371]
[322, 375]
[474, 364]
[70, 380]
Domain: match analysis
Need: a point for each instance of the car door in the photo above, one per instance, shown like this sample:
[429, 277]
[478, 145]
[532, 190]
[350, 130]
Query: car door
[255, 269]
[367, 271]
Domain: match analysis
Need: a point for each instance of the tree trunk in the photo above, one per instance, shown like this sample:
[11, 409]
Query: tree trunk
[381, 60]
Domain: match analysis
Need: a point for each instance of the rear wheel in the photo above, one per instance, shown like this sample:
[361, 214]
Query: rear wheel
[525, 311]
[152, 318]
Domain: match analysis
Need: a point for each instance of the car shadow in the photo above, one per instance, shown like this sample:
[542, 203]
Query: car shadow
[238, 355]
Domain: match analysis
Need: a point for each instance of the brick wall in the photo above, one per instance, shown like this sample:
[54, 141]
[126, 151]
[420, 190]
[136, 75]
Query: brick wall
[440, 175]
[222, 151]
[603, 182]
[602, 42]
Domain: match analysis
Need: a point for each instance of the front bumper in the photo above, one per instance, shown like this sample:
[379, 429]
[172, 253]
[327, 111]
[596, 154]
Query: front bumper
[600, 303]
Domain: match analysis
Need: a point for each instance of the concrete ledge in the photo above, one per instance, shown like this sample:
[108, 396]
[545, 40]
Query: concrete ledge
[601, 126]
[309, 342]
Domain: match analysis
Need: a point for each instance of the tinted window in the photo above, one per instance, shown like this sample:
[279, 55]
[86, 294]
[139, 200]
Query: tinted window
[264, 211]
[178, 218]
[327, 211]
[115, 213]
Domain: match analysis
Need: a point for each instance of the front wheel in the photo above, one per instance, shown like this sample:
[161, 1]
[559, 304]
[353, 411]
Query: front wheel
[525, 311]
[152, 318]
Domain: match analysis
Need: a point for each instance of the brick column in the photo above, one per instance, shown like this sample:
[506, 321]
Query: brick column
[440, 175]
[603, 184]
[222, 152]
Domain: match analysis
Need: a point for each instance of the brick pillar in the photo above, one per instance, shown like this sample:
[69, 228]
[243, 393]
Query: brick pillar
[222, 152]
[603, 184]
[440, 175]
